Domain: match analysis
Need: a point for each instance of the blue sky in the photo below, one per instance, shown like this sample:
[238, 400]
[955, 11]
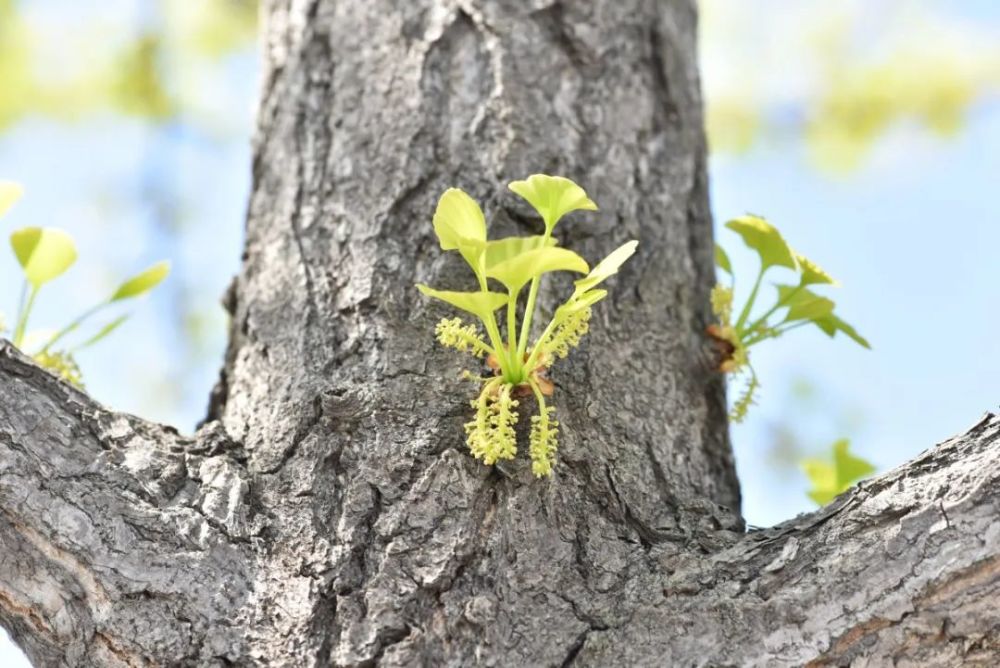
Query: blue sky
[913, 236]
[914, 241]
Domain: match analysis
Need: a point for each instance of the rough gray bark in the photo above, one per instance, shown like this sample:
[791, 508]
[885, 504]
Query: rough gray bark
[329, 514]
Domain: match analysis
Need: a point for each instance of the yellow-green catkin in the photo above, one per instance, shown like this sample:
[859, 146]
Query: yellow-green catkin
[747, 399]
[491, 434]
[722, 303]
[503, 444]
[61, 364]
[478, 430]
[454, 334]
[568, 335]
[544, 442]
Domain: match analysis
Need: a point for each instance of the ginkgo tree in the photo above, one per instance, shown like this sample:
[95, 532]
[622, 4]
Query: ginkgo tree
[515, 262]
[45, 254]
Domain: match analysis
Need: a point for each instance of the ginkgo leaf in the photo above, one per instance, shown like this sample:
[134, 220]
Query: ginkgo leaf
[142, 282]
[830, 479]
[44, 253]
[803, 304]
[764, 238]
[10, 192]
[831, 324]
[517, 271]
[811, 272]
[481, 304]
[722, 260]
[823, 477]
[504, 249]
[458, 217]
[607, 267]
[850, 469]
[552, 197]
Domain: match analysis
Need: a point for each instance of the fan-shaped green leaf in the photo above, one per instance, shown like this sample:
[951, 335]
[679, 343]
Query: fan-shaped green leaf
[850, 469]
[481, 304]
[830, 479]
[504, 249]
[10, 192]
[517, 271]
[811, 272]
[803, 304]
[607, 267]
[552, 196]
[722, 260]
[764, 238]
[458, 217]
[142, 282]
[831, 324]
[44, 253]
[823, 477]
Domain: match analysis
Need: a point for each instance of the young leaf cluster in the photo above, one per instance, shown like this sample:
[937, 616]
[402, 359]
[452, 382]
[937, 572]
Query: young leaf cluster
[830, 478]
[45, 254]
[794, 304]
[503, 268]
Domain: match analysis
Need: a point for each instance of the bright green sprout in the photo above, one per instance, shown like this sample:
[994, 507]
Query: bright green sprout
[45, 254]
[830, 479]
[516, 262]
[795, 305]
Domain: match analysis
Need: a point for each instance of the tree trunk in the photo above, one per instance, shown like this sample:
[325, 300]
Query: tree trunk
[329, 512]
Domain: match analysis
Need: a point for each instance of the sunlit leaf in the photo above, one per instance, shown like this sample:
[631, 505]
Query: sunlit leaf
[504, 249]
[823, 477]
[138, 87]
[44, 253]
[215, 28]
[458, 217]
[142, 282]
[481, 304]
[103, 331]
[722, 260]
[517, 271]
[831, 324]
[803, 304]
[830, 479]
[850, 468]
[10, 192]
[552, 196]
[607, 267]
[764, 238]
[811, 272]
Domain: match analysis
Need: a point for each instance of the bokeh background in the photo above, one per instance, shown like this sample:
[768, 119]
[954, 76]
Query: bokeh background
[868, 132]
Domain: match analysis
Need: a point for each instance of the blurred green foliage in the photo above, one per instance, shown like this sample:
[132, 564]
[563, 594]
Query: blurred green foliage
[183, 72]
[793, 445]
[795, 305]
[833, 476]
[150, 74]
[45, 254]
[841, 76]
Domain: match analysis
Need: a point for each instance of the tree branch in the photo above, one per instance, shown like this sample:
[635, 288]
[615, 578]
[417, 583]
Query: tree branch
[905, 569]
[123, 543]
[126, 544]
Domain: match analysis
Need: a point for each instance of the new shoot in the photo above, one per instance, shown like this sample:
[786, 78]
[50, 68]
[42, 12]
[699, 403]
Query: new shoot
[519, 364]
